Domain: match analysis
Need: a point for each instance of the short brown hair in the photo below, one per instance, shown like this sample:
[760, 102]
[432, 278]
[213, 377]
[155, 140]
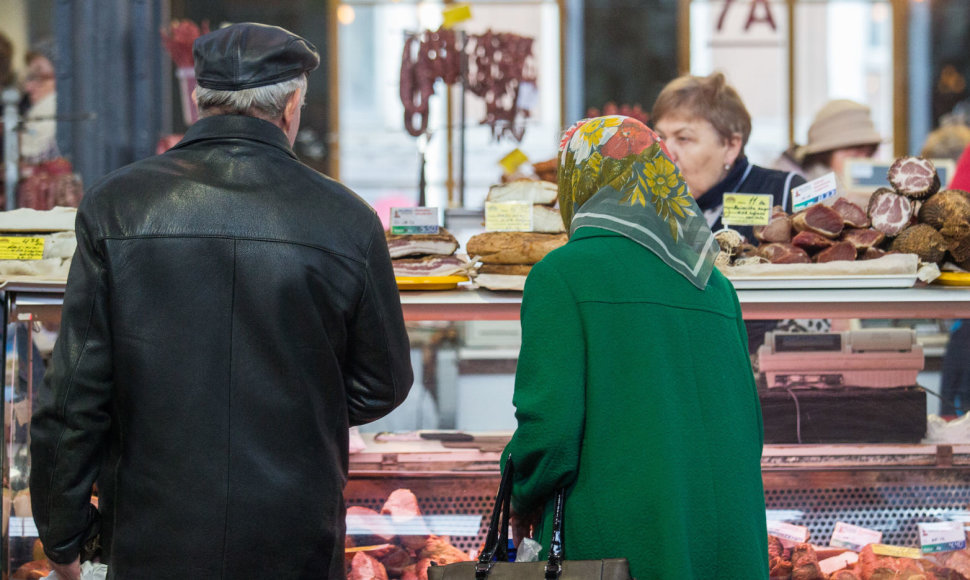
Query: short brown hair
[709, 98]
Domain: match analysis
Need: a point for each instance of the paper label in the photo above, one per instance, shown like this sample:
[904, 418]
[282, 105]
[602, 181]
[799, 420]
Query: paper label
[853, 537]
[786, 531]
[414, 220]
[21, 248]
[22, 527]
[508, 216]
[747, 209]
[513, 160]
[896, 551]
[816, 190]
[455, 14]
[942, 536]
[844, 560]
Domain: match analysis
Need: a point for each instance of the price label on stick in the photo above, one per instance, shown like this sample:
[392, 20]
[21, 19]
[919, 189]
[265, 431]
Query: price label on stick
[455, 14]
[21, 248]
[414, 220]
[513, 160]
[815, 191]
[508, 216]
[941, 536]
[746, 209]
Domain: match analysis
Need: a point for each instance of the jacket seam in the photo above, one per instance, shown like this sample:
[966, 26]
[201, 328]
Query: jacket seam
[225, 519]
[235, 239]
[62, 406]
[678, 307]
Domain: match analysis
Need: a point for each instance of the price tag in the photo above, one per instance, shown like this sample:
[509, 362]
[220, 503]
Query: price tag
[790, 532]
[853, 537]
[816, 190]
[896, 551]
[844, 560]
[22, 527]
[21, 248]
[414, 220]
[508, 216]
[455, 14]
[513, 160]
[942, 536]
[747, 209]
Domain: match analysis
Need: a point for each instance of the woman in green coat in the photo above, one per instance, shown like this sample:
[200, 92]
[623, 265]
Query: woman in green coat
[634, 389]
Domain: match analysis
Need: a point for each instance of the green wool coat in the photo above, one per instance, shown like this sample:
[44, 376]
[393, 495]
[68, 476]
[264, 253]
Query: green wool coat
[634, 390]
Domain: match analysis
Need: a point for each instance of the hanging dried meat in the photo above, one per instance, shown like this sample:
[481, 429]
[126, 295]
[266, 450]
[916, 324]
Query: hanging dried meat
[498, 67]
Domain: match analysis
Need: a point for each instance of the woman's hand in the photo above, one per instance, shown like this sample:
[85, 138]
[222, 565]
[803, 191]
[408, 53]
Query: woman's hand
[522, 525]
[70, 571]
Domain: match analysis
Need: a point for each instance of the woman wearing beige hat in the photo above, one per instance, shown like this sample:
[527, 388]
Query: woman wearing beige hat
[842, 130]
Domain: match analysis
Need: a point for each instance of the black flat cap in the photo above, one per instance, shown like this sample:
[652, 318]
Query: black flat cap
[249, 55]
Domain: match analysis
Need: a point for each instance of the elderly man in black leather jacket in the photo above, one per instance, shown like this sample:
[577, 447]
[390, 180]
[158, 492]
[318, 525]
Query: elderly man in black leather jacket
[229, 314]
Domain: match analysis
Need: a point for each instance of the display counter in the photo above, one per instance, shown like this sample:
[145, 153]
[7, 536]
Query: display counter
[889, 487]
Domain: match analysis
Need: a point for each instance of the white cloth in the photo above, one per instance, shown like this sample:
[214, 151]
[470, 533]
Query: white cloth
[89, 571]
[38, 140]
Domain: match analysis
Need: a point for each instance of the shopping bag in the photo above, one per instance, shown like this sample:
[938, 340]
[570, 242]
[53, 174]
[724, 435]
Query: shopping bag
[492, 564]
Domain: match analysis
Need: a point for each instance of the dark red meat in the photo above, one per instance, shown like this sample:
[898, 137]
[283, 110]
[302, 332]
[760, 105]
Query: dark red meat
[853, 215]
[863, 239]
[889, 212]
[811, 242]
[783, 254]
[873, 253]
[839, 251]
[778, 230]
[820, 219]
[914, 177]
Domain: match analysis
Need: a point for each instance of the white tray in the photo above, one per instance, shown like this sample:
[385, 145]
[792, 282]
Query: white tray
[822, 282]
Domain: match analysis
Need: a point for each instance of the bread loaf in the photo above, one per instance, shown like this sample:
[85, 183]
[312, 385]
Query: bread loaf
[513, 247]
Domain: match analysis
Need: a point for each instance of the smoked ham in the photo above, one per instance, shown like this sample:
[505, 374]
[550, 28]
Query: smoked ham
[784, 254]
[852, 215]
[889, 212]
[914, 177]
[820, 219]
[811, 242]
[863, 239]
[364, 567]
[429, 266]
[838, 251]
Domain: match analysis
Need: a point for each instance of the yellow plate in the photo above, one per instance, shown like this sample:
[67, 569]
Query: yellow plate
[953, 279]
[429, 282]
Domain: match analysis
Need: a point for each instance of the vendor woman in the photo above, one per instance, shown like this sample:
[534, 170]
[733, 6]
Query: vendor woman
[706, 126]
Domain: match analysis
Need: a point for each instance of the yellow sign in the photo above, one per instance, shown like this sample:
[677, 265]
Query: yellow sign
[508, 216]
[896, 551]
[747, 209]
[455, 14]
[513, 160]
[21, 248]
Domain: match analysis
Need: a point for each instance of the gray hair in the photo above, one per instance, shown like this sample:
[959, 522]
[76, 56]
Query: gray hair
[269, 100]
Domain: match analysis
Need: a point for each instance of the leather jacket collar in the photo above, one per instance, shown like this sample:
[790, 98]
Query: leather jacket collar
[239, 127]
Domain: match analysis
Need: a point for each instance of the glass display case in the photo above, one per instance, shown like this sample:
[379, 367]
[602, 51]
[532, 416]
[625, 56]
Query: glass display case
[465, 344]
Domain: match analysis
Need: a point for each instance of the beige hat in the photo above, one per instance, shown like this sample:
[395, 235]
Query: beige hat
[840, 123]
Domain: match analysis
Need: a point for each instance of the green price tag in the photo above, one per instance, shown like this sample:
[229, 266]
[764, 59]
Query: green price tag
[747, 209]
[21, 248]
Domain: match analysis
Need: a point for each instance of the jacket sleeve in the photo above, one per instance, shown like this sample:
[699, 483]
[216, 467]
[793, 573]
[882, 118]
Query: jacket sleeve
[550, 391]
[379, 373]
[71, 420]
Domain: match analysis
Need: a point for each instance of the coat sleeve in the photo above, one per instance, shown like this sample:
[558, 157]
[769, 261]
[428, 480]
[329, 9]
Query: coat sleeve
[379, 373]
[70, 425]
[550, 391]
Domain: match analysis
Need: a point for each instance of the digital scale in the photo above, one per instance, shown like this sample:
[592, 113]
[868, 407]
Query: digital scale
[881, 358]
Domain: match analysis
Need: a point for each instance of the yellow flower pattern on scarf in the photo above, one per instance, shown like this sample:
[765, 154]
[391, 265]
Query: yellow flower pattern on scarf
[657, 176]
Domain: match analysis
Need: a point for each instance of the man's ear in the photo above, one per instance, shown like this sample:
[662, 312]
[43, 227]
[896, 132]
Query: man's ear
[293, 105]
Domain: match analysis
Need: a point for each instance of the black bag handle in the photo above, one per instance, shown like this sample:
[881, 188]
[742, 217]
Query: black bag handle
[497, 538]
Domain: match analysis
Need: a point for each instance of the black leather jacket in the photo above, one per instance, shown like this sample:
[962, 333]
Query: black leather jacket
[229, 314]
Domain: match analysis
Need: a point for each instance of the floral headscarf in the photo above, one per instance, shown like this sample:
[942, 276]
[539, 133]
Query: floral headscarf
[616, 174]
